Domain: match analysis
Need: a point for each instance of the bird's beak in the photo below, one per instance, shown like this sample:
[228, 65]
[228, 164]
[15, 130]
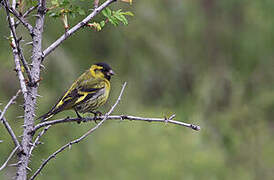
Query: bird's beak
[111, 72]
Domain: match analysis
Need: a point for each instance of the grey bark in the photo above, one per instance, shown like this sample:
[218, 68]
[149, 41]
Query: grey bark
[30, 100]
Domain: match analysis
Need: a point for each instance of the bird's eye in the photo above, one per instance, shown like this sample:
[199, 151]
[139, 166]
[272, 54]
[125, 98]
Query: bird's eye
[97, 70]
[103, 70]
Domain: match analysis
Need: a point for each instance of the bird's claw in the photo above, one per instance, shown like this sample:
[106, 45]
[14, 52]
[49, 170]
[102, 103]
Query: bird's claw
[96, 115]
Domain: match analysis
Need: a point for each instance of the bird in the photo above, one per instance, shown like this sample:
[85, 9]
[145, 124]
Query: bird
[86, 94]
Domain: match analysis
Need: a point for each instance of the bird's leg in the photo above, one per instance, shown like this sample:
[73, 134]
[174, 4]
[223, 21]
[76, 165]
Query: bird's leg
[96, 114]
[78, 115]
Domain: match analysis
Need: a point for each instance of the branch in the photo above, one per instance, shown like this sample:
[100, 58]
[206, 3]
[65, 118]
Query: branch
[5, 122]
[15, 54]
[36, 141]
[19, 72]
[82, 137]
[31, 98]
[15, 44]
[76, 28]
[29, 11]
[10, 156]
[117, 117]
[18, 16]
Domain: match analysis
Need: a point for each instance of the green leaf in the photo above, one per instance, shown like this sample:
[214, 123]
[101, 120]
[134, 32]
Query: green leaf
[124, 20]
[65, 3]
[118, 11]
[113, 21]
[54, 2]
[107, 12]
[102, 23]
[117, 16]
[104, 12]
[128, 13]
[81, 11]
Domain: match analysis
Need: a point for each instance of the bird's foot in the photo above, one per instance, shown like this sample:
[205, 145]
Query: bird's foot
[78, 115]
[96, 114]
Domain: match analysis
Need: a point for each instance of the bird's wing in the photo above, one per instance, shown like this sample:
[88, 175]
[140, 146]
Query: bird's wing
[80, 93]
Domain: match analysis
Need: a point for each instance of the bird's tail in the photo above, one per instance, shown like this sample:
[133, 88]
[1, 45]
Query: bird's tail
[46, 116]
[49, 114]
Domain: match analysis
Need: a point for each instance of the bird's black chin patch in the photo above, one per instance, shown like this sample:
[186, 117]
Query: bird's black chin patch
[107, 77]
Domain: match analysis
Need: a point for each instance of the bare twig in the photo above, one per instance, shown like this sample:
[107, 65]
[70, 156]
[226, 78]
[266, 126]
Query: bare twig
[10, 131]
[19, 71]
[10, 156]
[117, 117]
[29, 11]
[76, 28]
[82, 137]
[36, 141]
[11, 101]
[16, 42]
[15, 164]
[5, 122]
[16, 58]
[18, 16]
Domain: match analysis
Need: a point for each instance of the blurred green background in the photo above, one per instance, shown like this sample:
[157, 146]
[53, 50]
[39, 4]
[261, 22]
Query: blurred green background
[208, 61]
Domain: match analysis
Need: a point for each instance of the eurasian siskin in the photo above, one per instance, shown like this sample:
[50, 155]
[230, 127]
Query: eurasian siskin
[87, 93]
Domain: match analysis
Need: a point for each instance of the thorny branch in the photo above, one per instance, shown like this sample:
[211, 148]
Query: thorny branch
[10, 156]
[82, 137]
[118, 117]
[15, 42]
[18, 16]
[36, 141]
[29, 11]
[31, 96]
[5, 122]
[17, 60]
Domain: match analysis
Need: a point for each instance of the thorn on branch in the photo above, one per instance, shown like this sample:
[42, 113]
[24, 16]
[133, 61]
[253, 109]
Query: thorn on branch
[123, 117]
[29, 43]
[28, 168]
[19, 39]
[16, 164]
[33, 84]
[42, 66]
[172, 116]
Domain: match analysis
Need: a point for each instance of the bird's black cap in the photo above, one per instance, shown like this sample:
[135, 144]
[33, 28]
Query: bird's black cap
[107, 70]
[104, 65]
